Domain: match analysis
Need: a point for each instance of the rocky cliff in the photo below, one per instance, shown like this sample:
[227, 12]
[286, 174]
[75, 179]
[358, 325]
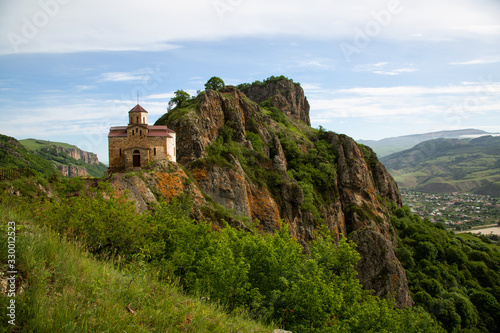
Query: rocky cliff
[284, 95]
[265, 163]
[70, 160]
[76, 153]
[71, 170]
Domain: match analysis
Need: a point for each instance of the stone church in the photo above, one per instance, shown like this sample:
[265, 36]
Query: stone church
[137, 144]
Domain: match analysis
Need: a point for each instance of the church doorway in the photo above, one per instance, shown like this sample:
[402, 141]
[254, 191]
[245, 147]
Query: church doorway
[136, 159]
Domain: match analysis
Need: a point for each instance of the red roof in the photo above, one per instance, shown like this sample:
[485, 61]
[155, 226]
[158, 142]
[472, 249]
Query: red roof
[160, 127]
[138, 108]
[154, 131]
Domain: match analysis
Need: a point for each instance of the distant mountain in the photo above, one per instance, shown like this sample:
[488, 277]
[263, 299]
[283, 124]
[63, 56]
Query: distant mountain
[449, 165]
[69, 159]
[45, 157]
[392, 145]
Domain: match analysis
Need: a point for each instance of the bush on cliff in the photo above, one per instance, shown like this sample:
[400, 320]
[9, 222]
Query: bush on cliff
[267, 275]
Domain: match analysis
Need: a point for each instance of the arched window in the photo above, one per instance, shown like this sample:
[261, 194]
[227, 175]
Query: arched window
[120, 152]
[137, 118]
[143, 120]
[140, 133]
[154, 151]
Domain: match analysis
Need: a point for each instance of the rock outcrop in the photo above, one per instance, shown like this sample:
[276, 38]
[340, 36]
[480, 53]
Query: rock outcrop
[164, 179]
[284, 95]
[71, 170]
[76, 153]
[354, 203]
[73, 162]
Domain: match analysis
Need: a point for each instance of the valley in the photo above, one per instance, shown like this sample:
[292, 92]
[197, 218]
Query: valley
[458, 211]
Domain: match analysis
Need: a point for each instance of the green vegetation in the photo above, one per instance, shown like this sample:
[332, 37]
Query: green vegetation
[40, 156]
[245, 86]
[388, 146]
[215, 83]
[179, 111]
[314, 170]
[455, 277]
[65, 289]
[14, 155]
[35, 144]
[224, 150]
[58, 157]
[260, 275]
[180, 97]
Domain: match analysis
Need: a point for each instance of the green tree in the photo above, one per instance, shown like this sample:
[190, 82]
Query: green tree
[180, 97]
[215, 83]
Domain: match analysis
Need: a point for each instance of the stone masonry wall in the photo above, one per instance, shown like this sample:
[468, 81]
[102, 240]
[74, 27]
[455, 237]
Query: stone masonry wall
[146, 145]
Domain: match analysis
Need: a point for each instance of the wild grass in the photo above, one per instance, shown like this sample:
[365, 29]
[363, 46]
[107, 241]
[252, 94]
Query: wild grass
[64, 289]
[35, 144]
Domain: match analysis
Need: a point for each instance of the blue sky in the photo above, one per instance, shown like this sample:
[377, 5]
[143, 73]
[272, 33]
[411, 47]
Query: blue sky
[70, 69]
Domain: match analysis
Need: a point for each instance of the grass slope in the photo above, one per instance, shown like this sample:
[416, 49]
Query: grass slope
[35, 144]
[449, 165]
[14, 155]
[65, 289]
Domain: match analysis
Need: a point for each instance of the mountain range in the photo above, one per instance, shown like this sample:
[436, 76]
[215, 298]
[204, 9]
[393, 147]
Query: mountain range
[449, 165]
[392, 145]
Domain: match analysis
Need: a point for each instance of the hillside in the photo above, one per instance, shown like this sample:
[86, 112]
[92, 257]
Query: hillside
[387, 146]
[14, 155]
[61, 286]
[449, 165]
[69, 159]
[251, 152]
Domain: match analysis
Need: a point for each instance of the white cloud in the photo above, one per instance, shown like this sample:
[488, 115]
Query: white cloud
[473, 88]
[320, 64]
[144, 74]
[459, 101]
[156, 25]
[481, 29]
[380, 68]
[168, 95]
[476, 62]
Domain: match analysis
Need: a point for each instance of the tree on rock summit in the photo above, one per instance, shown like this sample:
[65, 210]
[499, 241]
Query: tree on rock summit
[215, 83]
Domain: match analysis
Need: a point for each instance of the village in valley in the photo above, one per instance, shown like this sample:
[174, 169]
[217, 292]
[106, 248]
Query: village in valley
[458, 211]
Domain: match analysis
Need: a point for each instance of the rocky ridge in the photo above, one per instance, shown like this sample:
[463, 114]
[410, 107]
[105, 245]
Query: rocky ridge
[64, 158]
[77, 154]
[353, 203]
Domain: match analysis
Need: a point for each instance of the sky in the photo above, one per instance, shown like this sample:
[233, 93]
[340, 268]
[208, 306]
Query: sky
[371, 69]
